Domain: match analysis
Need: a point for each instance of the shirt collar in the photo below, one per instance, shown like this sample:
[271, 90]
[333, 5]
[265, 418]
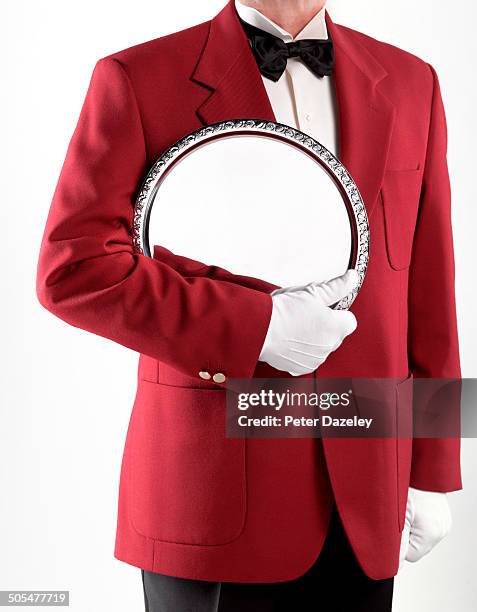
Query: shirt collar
[316, 28]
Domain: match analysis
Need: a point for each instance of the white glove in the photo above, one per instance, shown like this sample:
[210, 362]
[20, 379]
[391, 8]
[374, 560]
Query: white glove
[303, 328]
[428, 521]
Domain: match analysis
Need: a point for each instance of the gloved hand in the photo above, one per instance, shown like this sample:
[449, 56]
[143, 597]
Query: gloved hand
[428, 521]
[303, 328]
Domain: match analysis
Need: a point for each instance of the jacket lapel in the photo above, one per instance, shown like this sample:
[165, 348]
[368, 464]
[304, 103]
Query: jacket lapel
[228, 73]
[366, 115]
[232, 88]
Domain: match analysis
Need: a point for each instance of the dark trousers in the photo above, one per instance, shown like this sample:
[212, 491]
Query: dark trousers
[335, 583]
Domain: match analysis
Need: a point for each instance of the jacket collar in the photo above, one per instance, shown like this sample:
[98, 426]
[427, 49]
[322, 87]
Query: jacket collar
[233, 89]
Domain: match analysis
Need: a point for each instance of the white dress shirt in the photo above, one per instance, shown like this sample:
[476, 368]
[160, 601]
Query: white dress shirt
[300, 98]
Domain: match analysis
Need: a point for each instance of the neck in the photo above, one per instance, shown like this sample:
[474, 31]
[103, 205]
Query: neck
[291, 15]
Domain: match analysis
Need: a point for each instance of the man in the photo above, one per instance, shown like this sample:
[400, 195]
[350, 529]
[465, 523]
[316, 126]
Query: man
[227, 524]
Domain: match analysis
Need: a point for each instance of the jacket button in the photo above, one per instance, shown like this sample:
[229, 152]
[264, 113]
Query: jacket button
[205, 375]
[218, 377]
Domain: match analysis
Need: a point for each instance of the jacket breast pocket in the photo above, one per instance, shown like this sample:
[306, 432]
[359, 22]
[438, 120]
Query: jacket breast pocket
[400, 193]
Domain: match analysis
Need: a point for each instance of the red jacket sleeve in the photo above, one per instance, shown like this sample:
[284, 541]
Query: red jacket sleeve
[433, 341]
[89, 276]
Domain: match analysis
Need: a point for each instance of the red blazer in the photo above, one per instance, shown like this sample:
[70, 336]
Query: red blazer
[193, 503]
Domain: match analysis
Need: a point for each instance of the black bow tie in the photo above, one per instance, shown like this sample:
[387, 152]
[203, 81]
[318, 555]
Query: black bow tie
[272, 53]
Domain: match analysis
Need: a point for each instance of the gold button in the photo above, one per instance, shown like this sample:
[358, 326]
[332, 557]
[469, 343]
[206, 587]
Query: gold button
[218, 377]
[205, 375]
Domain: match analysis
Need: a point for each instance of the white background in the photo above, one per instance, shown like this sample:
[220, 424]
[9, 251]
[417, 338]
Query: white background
[65, 395]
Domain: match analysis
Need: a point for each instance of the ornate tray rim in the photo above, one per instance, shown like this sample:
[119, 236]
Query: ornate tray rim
[145, 198]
